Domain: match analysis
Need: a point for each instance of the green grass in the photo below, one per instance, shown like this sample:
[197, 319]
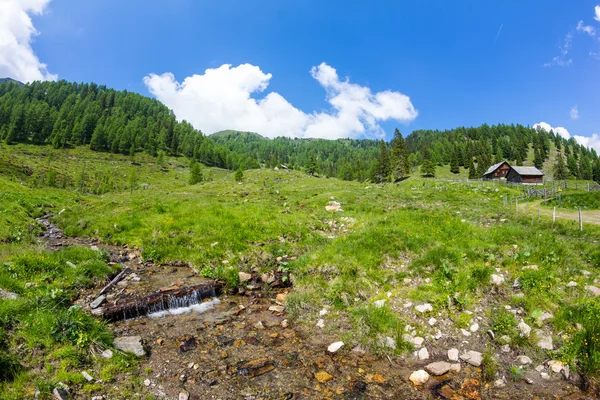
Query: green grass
[585, 201]
[447, 237]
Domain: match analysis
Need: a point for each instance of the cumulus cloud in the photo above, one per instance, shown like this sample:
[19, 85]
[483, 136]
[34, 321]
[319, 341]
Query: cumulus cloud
[221, 98]
[587, 141]
[17, 59]
[574, 112]
[586, 29]
[561, 59]
[597, 13]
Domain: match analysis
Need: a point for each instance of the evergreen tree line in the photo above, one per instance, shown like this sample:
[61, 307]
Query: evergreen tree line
[65, 114]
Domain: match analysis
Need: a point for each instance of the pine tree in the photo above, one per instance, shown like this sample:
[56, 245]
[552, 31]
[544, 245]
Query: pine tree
[560, 172]
[311, 165]
[454, 167]
[383, 166]
[400, 165]
[538, 159]
[428, 169]
[195, 173]
[573, 167]
[519, 160]
[472, 171]
[239, 175]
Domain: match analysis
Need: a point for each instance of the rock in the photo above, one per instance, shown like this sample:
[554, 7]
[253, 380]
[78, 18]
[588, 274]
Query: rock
[417, 341]
[244, 276]
[593, 290]
[432, 321]
[555, 365]
[284, 323]
[389, 342]
[379, 303]
[572, 284]
[323, 376]
[529, 381]
[540, 368]
[321, 323]
[184, 395]
[5, 294]
[107, 353]
[130, 344]
[99, 300]
[438, 335]
[566, 373]
[474, 328]
[423, 354]
[423, 308]
[472, 357]
[70, 264]
[497, 279]
[499, 383]
[490, 333]
[259, 325]
[516, 284]
[438, 368]
[453, 354]
[545, 375]
[278, 309]
[419, 377]
[60, 394]
[524, 360]
[255, 367]
[147, 382]
[87, 376]
[504, 339]
[280, 299]
[505, 348]
[455, 368]
[545, 342]
[465, 332]
[545, 316]
[524, 329]
[333, 206]
[323, 312]
[333, 347]
[95, 248]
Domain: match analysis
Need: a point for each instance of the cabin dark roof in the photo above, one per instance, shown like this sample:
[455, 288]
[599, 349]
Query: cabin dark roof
[494, 167]
[528, 171]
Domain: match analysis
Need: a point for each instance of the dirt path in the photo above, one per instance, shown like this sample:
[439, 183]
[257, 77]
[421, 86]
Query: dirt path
[245, 348]
[531, 208]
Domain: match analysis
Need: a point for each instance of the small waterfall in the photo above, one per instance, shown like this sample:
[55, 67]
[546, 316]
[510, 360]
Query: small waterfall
[199, 308]
[177, 305]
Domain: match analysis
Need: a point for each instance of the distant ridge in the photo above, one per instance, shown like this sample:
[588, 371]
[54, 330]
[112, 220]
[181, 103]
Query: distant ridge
[11, 80]
[230, 133]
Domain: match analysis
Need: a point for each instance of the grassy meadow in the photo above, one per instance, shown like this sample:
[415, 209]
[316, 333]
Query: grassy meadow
[421, 241]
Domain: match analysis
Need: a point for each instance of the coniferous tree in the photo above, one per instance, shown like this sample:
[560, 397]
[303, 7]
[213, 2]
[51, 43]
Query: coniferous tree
[454, 167]
[195, 173]
[383, 166]
[538, 159]
[239, 175]
[400, 165]
[472, 171]
[311, 167]
[519, 160]
[573, 167]
[560, 168]
[428, 169]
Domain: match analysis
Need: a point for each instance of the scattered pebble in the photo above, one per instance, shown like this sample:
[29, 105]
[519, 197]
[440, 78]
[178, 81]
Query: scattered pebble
[333, 347]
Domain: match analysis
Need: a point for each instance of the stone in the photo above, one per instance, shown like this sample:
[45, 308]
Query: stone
[184, 395]
[323, 376]
[499, 383]
[284, 323]
[321, 323]
[516, 284]
[504, 339]
[87, 376]
[147, 382]
[472, 357]
[524, 360]
[524, 329]
[490, 333]
[566, 373]
[107, 353]
[419, 377]
[555, 365]
[333, 206]
[455, 368]
[432, 321]
[259, 325]
[505, 348]
[60, 394]
[322, 312]
[280, 299]
[545, 375]
[497, 279]
[453, 355]
[5, 294]
[70, 264]
[545, 316]
[540, 368]
[423, 308]
[333, 347]
[474, 328]
[593, 290]
[572, 284]
[438, 368]
[244, 276]
[545, 342]
[130, 344]
[418, 341]
[278, 309]
[438, 335]
[465, 332]
[99, 300]
[379, 303]
[423, 354]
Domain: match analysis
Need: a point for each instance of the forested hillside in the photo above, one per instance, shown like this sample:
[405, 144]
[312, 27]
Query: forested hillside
[67, 114]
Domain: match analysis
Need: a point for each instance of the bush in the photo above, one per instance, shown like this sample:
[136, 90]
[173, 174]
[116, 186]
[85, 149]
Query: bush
[489, 366]
[583, 345]
[503, 322]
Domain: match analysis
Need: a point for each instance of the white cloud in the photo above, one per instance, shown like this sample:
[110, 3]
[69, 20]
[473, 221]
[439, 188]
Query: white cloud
[587, 141]
[597, 12]
[17, 59]
[574, 112]
[561, 60]
[221, 98]
[586, 29]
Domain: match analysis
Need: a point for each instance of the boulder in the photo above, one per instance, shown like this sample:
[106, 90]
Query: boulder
[107, 353]
[130, 344]
[453, 354]
[417, 341]
[419, 377]
[455, 368]
[472, 357]
[438, 368]
[474, 327]
[545, 342]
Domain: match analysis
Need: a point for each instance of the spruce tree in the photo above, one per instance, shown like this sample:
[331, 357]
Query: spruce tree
[383, 166]
[472, 171]
[538, 159]
[195, 173]
[311, 165]
[560, 172]
[239, 175]
[400, 165]
[573, 167]
[454, 167]
[428, 169]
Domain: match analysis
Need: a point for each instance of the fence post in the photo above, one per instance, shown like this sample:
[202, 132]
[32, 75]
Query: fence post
[517, 203]
[580, 220]
[554, 215]
[588, 187]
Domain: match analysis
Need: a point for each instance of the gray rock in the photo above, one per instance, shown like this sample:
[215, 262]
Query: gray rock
[524, 360]
[453, 354]
[545, 342]
[244, 276]
[60, 394]
[524, 329]
[505, 348]
[99, 300]
[499, 383]
[423, 308]
[418, 341]
[490, 333]
[130, 344]
[70, 264]
[593, 290]
[423, 354]
[184, 395]
[438, 368]
[87, 376]
[107, 353]
[572, 284]
[472, 357]
[504, 339]
[5, 294]
[497, 279]
[566, 372]
[555, 365]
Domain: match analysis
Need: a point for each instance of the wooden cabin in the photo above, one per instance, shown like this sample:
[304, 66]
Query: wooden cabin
[525, 175]
[497, 171]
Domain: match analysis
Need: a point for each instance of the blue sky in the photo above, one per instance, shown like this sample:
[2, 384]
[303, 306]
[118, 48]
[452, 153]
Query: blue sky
[449, 57]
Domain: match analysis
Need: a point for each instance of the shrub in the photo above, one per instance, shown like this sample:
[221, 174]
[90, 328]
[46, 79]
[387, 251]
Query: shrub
[583, 345]
[489, 365]
[503, 322]
[515, 373]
